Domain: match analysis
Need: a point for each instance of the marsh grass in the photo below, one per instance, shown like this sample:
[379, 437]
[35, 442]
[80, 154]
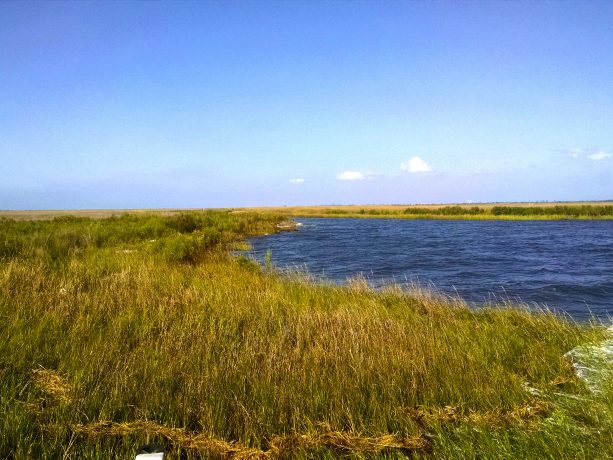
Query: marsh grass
[102, 350]
[508, 211]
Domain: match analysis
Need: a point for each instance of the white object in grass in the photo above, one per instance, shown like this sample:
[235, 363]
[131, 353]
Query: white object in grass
[155, 456]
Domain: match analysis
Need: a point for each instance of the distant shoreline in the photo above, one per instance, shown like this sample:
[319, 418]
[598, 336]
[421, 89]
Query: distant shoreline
[575, 210]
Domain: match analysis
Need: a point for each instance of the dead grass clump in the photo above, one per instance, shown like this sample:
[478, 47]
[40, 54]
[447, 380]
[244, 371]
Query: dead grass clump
[533, 410]
[179, 437]
[347, 442]
[530, 412]
[52, 384]
[326, 438]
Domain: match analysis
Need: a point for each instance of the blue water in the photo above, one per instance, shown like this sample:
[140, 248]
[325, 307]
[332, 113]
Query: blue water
[564, 265]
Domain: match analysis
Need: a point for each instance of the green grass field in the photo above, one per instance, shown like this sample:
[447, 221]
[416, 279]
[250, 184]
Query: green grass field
[119, 331]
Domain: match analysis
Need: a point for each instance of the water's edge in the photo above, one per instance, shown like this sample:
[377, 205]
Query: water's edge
[562, 265]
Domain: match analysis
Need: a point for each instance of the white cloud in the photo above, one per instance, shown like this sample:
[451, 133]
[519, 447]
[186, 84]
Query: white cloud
[591, 154]
[415, 165]
[350, 175]
[600, 155]
[297, 181]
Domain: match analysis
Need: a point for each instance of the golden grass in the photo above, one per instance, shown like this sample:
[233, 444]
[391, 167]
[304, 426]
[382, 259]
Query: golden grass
[324, 437]
[530, 412]
[179, 437]
[52, 384]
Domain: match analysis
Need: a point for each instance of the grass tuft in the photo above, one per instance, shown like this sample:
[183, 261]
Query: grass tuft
[52, 385]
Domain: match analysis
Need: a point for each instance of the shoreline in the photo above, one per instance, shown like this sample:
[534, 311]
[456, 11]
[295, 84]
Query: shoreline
[439, 217]
[408, 211]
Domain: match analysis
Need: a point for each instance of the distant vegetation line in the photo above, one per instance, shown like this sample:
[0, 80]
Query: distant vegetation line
[557, 210]
[540, 210]
[462, 212]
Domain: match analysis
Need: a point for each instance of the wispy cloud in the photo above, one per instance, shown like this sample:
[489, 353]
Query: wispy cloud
[351, 175]
[590, 154]
[297, 181]
[415, 165]
[600, 155]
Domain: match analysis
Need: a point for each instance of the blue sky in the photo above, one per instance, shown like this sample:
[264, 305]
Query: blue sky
[219, 104]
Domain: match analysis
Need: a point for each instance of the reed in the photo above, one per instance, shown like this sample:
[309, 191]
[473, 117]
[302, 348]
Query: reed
[109, 340]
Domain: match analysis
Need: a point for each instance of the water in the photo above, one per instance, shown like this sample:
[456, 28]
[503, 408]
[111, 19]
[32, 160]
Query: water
[565, 265]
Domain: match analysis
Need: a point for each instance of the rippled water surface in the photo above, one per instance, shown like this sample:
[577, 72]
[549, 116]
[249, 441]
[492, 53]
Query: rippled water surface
[567, 265]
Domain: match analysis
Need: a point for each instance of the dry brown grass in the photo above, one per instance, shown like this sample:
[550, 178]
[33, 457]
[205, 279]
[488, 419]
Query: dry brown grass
[324, 437]
[532, 411]
[178, 437]
[52, 384]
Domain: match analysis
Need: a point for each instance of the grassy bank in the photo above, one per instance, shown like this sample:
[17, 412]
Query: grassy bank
[116, 332]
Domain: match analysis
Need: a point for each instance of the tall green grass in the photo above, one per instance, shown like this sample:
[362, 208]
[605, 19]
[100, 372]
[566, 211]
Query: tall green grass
[109, 340]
